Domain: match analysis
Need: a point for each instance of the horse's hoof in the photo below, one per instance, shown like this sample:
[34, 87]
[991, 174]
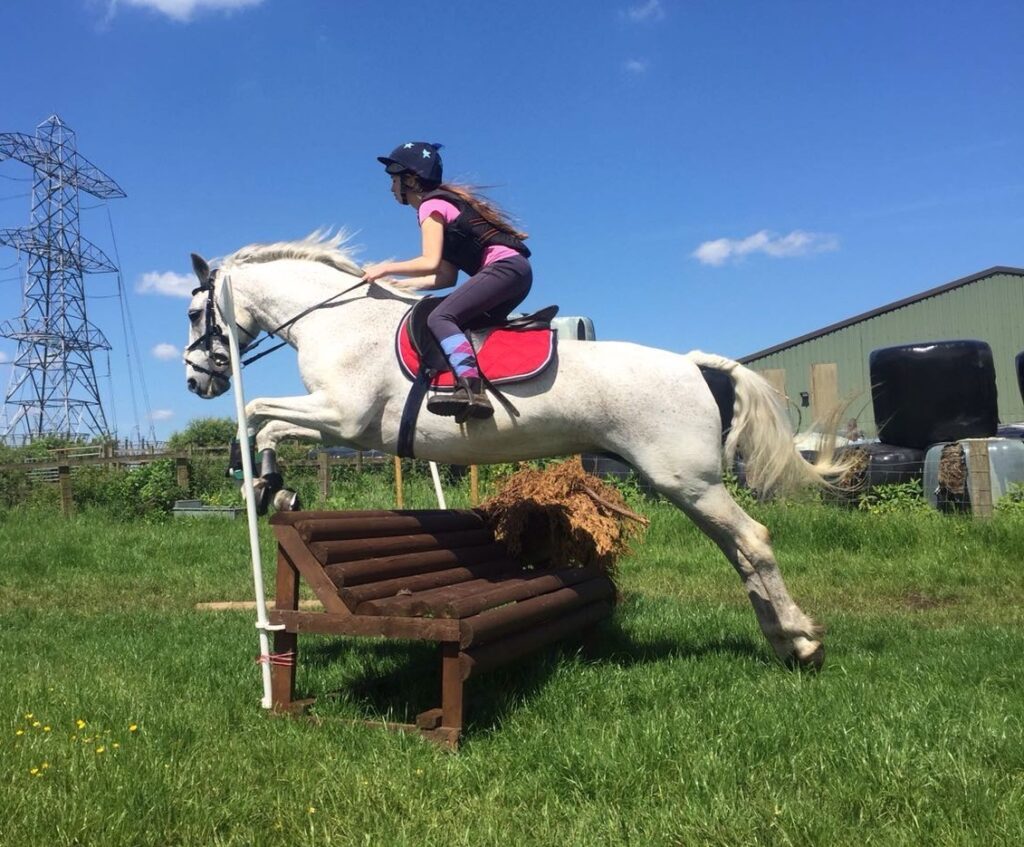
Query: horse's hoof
[287, 501]
[807, 656]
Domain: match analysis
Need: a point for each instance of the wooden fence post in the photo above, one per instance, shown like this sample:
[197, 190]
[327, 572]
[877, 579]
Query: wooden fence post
[979, 477]
[359, 461]
[181, 472]
[325, 474]
[399, 494]
[67, 500]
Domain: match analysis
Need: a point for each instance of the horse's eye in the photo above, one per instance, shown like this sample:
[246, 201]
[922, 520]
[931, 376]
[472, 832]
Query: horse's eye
[194, 314]
[219, 359]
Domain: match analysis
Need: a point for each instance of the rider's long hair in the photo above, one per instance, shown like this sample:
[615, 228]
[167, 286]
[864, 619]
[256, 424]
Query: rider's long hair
[486, 208]
[483, 206]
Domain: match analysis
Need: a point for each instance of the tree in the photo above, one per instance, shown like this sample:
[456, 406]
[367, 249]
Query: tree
[204, 432]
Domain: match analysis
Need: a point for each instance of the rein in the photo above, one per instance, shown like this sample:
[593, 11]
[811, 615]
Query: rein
[212, 331]
[271, 333]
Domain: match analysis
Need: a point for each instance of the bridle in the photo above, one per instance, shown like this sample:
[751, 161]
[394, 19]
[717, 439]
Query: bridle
[213, 332]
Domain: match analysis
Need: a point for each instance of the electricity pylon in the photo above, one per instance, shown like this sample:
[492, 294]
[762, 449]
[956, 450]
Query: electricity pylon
[53, 388]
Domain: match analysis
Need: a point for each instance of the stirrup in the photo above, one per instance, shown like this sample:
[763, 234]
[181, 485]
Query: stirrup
[478, 406]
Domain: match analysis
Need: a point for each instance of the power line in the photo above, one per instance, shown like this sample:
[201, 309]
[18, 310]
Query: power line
[128, 327]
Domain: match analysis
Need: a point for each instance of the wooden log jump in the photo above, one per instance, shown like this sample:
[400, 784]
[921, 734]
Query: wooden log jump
[430, 575]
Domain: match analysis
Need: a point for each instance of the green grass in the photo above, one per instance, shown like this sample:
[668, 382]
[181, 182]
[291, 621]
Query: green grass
[677, 729]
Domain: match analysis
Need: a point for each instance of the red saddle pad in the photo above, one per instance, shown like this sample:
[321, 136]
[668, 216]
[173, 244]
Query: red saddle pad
[507, 355]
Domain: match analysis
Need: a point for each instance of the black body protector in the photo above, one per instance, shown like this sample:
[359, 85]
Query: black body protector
[466, 238]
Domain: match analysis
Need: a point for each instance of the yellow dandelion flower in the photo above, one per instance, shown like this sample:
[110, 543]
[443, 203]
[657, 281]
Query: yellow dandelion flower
[101, 749]
[45, 765]
[34, 771]
[20, 732]
[37, 724]
[312, 810]
[38, 774]
[80, 723]
[115, 745]
[46, 729]
[29, 716]
[133, 728]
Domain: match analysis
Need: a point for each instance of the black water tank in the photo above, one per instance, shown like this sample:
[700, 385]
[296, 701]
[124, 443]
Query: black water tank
[1020, 373]
[934, 391]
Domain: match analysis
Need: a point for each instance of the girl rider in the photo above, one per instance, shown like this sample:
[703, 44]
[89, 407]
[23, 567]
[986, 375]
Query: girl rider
[459, 231]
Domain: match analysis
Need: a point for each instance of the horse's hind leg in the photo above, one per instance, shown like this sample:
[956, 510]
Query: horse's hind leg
[795, 638]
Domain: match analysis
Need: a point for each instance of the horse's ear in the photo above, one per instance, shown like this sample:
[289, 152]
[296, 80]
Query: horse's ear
[201, 268]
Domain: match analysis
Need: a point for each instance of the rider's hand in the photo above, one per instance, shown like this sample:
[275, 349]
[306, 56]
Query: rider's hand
[375, 272]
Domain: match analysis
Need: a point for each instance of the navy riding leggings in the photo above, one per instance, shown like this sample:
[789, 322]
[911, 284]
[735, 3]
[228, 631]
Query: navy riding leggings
[486, 297]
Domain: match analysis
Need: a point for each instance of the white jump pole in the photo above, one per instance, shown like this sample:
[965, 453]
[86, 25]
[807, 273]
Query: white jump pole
[437, 486]
[227, 311]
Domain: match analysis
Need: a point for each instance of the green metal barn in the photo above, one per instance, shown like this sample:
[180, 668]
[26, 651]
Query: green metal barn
[821, 368]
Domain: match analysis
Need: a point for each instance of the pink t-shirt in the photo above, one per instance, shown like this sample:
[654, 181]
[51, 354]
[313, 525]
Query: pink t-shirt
[449, 212]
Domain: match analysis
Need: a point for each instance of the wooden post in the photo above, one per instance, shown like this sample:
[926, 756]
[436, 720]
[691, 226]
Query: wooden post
[282, 671]
[67, 500]
[359, 461]
[979, 477]
[325, 474]
[181, 472]
[824, 389]
[399, 494]
[474, 485]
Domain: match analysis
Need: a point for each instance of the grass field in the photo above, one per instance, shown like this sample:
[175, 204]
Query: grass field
[129, 718]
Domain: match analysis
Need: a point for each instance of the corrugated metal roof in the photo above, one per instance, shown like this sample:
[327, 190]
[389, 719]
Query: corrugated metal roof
[891, 307]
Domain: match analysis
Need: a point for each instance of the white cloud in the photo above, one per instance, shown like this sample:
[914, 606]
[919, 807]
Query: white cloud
[4, 358]
[166, 352]
[636, 66]
[167, 282]
[182, 10]
[161, 415]
[649, 11]
[797, 243]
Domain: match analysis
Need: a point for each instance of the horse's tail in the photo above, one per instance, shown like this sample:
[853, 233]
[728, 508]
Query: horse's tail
[762, 434]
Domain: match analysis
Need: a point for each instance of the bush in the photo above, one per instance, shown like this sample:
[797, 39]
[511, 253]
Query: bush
[144, 492]
[1012, 503]
[897, 498]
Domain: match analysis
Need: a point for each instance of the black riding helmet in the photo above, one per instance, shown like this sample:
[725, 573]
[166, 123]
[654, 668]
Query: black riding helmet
[419, 158]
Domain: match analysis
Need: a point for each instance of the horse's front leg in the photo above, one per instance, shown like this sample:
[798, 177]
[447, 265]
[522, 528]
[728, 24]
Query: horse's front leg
[310, 411]
[305, 417]
[269, 486]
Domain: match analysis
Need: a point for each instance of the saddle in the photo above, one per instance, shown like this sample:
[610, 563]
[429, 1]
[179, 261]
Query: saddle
[512, 350]
[506, 351]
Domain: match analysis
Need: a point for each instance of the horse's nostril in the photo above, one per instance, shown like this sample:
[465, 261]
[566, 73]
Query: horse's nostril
[192, 384]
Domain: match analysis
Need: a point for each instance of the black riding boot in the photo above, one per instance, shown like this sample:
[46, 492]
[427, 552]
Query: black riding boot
[468, 400]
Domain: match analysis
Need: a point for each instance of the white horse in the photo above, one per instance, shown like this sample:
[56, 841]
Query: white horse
[649, 406]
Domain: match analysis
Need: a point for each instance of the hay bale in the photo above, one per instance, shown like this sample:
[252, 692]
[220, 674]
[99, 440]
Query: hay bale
[953, 470]
[562, 516]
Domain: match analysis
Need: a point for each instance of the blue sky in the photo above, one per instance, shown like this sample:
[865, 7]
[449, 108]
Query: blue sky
[715, 175]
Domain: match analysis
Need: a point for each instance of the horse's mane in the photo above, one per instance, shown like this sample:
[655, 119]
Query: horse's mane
[318, 246]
